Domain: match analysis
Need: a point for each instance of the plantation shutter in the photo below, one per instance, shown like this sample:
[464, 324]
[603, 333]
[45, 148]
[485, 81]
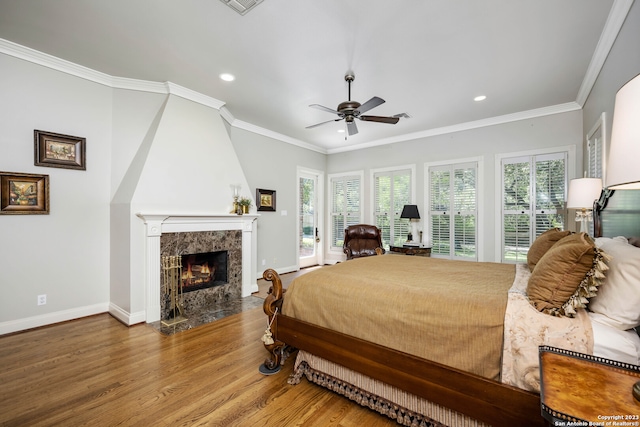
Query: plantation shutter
[533, 194]
[440, 210]
[345, 207]
[465, 212]
[595, 153]
[453, 210]
[392, 190]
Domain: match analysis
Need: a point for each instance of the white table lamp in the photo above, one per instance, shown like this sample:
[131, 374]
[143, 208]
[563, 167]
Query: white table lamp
[582, 193]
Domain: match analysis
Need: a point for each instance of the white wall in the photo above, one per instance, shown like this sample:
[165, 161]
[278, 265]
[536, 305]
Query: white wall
[65, 254]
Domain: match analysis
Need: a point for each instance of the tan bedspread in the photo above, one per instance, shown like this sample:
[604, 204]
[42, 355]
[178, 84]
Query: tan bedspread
[451, 312]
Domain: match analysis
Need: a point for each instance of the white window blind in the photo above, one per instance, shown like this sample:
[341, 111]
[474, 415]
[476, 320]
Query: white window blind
[453, 210]
[595, 152]
[345, 207]
[533, 201]
[392, 190]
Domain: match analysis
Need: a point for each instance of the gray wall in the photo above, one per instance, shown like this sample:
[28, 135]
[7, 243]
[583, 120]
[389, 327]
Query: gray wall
[272, 165]
[623, 63]
[552, 131]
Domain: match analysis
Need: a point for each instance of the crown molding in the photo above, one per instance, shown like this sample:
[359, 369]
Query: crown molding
[492, 121]
[31, 55]
[615, 20]
[226, 114]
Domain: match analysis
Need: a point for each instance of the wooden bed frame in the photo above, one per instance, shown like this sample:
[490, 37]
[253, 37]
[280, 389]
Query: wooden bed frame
[479, 398]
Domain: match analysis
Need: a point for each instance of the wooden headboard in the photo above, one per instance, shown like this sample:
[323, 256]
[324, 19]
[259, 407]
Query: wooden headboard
[617, 213]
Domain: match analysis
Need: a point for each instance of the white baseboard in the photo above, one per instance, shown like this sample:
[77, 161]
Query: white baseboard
[125, 317]
[51, 318]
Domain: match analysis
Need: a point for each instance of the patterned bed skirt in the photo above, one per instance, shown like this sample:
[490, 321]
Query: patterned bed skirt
[406, 409]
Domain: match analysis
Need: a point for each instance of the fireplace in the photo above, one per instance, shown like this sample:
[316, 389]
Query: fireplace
[211, 269]
[168, 235]
[204, 270]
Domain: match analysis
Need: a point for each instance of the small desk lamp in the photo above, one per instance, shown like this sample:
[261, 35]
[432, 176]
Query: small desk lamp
[582, 193]
[410, 212]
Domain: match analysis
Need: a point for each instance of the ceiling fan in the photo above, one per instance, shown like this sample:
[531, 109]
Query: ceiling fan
[351, 110]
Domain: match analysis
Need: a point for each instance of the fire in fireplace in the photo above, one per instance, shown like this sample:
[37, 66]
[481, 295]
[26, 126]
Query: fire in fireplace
[204, 270]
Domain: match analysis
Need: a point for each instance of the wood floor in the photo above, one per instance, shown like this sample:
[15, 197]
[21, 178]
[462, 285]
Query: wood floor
[97, 372]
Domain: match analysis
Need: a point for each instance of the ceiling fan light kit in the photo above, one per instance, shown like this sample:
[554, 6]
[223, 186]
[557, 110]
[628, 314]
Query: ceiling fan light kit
[350, 110]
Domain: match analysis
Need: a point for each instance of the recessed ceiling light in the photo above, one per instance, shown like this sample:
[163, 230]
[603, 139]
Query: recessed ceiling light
[340, 130]
[227, 77]
[480, 98]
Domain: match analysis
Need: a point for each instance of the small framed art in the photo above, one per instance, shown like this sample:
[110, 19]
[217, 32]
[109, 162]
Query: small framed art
[24, 194]
[59, 151]
[266, 200]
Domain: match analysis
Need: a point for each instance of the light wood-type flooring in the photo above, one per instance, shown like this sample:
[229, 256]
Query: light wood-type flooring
[97, 372]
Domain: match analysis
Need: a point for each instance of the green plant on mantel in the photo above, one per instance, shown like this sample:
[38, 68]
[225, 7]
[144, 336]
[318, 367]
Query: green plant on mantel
[243, 201]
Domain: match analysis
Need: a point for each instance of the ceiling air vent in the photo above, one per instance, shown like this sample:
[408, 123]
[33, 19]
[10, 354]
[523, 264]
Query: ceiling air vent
[241, 6]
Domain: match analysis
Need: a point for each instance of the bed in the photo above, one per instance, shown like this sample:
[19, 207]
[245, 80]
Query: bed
[413, 379]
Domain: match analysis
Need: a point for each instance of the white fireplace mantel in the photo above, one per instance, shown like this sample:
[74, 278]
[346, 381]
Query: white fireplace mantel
[158, 223]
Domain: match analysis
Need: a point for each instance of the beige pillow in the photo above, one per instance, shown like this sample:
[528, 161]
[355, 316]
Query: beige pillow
[542, 244]
[566, 276]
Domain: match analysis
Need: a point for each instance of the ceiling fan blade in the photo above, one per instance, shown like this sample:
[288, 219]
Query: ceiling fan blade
[323, 108]
[352, 128]
[322, 123]
[380, 119]
[372, 103]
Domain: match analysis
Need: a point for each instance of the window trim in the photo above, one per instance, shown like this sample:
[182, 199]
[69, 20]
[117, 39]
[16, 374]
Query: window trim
[331, 177]
[571, 172]
[480, 195]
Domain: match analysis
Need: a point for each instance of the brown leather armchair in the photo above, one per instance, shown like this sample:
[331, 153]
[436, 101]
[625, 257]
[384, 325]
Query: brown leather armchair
[362, 240]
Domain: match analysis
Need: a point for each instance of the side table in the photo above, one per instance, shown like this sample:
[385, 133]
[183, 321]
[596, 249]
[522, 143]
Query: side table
[578, 389]
[412, 250]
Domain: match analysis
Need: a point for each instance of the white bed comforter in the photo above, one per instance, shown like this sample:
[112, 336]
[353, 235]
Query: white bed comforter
[525, 329]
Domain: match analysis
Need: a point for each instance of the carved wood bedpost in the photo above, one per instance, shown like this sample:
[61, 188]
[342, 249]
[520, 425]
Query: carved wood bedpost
[272, 305]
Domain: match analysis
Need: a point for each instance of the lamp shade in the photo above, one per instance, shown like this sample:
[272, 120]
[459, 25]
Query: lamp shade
[623, 171]
[410, 211]
[583, 192]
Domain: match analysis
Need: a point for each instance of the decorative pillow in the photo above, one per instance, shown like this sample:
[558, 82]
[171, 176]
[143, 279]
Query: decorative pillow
[567, 276]
[542, 244]
[619, 298]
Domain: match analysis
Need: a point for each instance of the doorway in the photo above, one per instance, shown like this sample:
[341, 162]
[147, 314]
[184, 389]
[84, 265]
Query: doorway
[310, 242]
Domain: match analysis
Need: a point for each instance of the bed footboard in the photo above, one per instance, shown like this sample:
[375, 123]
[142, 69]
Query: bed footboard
[278, 350]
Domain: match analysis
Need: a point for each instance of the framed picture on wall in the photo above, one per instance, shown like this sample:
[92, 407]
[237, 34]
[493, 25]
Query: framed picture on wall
[59, 151]
[24, 194]
[266, 200]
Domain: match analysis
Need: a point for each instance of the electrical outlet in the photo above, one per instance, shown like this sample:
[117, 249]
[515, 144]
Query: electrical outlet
[264, 262]
[42, 299]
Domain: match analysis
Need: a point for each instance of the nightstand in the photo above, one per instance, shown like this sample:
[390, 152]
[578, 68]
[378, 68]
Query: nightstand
[578, 388]
[419, 250]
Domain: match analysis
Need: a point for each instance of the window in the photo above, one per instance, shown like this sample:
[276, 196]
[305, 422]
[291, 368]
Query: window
[453, 210]
[345, 206]
[392, 190]
[596, 149]
[533, 200]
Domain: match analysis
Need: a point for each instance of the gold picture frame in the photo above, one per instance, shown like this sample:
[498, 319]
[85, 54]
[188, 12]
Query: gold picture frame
[24, 194]
[55, 150]
[266, 200]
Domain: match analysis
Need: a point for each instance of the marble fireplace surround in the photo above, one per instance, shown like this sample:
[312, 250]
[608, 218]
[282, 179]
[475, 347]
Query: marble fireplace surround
[156, 224]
